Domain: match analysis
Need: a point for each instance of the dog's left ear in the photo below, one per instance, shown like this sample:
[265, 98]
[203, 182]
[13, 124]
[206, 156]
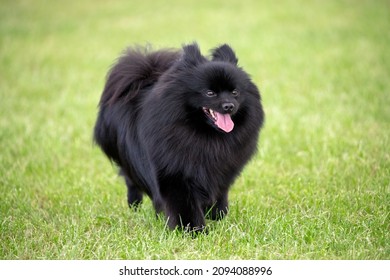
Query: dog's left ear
[224, 53]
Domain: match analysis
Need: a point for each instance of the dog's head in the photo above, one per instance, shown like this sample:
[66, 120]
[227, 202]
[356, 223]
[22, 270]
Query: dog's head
[216, 87]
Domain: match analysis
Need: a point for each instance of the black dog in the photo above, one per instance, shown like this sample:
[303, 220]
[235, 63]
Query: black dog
[181, 127]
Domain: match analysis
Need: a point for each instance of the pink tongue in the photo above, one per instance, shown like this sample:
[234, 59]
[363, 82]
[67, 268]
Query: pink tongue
[224, 122]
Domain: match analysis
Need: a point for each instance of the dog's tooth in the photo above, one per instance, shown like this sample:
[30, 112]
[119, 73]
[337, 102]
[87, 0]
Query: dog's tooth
[214, 115]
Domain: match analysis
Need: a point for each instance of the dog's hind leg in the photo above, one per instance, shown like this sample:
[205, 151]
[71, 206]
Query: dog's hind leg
[134, 196]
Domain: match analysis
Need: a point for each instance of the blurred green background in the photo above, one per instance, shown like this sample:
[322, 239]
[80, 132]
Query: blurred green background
[317, 189]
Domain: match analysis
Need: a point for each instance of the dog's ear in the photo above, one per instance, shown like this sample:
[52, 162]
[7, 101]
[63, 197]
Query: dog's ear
[224, 53]
[192, 55]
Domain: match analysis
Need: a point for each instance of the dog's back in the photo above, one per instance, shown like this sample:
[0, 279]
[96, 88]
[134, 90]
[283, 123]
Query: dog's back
[135, 72]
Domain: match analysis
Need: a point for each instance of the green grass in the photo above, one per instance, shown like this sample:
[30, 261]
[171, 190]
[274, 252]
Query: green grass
[319, 187]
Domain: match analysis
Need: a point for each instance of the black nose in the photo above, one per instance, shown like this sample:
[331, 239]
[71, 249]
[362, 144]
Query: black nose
[228, 107]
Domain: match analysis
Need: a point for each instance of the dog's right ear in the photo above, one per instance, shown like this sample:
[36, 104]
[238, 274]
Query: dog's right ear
[192, 55]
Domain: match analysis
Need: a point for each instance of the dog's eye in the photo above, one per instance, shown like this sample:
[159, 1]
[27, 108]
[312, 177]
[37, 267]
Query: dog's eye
[235, 92]
[210, 93]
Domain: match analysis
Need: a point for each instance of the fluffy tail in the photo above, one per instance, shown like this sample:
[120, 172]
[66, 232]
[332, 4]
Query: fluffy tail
[134, 71]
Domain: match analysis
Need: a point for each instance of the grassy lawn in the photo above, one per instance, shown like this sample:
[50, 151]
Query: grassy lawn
[319, 187]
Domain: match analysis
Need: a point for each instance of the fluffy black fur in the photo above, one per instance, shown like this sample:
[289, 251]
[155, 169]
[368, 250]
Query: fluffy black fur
[158, 123]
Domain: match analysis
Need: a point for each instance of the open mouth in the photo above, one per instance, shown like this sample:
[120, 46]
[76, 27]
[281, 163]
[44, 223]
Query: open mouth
[222, 121]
